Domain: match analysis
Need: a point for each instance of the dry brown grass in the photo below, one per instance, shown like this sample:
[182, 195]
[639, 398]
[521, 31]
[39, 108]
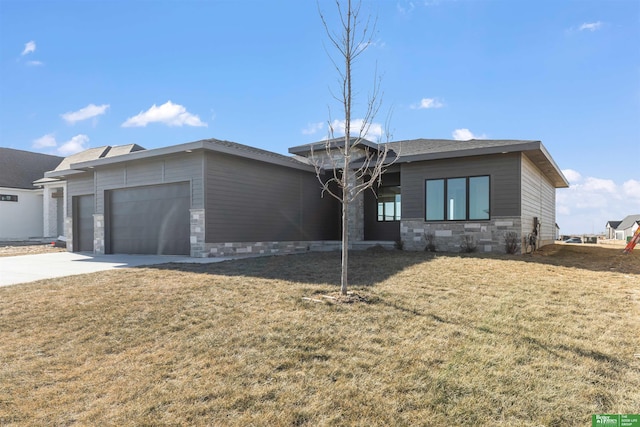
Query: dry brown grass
[535, 340]
[17, 250]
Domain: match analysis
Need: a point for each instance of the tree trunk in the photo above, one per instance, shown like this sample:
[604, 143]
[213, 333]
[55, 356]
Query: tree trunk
[345, 245]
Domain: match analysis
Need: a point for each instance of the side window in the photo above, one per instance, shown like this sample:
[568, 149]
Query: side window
[389, 202]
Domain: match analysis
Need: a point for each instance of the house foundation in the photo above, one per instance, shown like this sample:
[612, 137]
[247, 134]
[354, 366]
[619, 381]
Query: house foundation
[484, 236]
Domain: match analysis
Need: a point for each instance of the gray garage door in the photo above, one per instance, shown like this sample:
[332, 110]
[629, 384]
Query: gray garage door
[149, 220]
[83, 210]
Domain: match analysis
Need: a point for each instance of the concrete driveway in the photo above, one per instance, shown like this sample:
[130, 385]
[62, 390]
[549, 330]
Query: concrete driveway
[29, 268]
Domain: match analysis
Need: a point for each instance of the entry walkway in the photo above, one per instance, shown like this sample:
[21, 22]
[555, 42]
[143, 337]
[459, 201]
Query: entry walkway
[29, 268]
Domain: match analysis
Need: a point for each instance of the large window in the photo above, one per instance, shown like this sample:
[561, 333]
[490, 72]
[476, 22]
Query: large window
[457, 199]
[389, 203]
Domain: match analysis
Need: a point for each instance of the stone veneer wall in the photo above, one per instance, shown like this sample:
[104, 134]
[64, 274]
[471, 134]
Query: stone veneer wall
[265, 248]
[487, 235]
[98, 234]
[196, 235]
[356, 217]
[256, 248]
[68, 226]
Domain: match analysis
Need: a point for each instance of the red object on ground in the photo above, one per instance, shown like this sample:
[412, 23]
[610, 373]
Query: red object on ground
[632, 243]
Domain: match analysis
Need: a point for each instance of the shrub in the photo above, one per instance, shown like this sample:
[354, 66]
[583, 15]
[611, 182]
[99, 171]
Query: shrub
[511, 242]
[431, 242]
[468, 244]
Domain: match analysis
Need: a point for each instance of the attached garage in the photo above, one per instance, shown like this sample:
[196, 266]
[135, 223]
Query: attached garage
[148, 220]
[83, 210]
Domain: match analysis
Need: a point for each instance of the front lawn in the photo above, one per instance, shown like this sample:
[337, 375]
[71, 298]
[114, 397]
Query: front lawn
[464, 340]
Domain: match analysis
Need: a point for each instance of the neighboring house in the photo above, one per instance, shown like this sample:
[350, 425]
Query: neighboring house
[621, 230]
[20, 201]
[215, 197]
[611, 229]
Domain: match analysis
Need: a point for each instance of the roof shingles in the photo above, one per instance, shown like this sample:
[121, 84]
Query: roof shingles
[19, 169]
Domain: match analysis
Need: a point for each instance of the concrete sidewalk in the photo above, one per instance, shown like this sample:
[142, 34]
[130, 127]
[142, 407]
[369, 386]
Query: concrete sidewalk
[29, 268]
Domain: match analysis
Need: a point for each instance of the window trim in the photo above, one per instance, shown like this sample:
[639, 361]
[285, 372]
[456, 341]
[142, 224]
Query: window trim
[8, 197]
[445, 206]
[397, 214]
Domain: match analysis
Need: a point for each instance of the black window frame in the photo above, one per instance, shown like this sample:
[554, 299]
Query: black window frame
[467, 199]
[397, 216]
[8, 197]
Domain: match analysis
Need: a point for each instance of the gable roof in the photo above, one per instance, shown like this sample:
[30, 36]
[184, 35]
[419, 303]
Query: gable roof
[628, 222]
[613, 224]
[19, 169]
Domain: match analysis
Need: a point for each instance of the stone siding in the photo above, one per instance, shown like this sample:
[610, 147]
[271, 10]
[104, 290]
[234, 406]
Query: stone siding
[485, 236]
[197, 233]
[98, 234]
[273, 248]
[68, 226]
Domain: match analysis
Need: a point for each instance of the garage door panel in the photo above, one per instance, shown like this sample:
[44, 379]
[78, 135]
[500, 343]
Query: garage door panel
[83, 210]
[150, 220]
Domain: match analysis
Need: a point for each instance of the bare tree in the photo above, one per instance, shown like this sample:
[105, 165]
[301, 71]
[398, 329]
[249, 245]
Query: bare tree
[354, 164]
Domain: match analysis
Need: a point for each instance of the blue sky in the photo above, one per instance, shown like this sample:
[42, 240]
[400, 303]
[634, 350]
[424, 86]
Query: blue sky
[75, 75]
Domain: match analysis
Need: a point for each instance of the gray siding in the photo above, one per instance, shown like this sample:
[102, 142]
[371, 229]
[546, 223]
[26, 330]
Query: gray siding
[78, 186]
[253, 201]
[504, 171]
[179, 168]
[538, 200]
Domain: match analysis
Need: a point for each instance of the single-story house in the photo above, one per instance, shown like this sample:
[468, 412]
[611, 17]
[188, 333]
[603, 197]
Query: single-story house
[21, 203]
[611, 229]
[621, 230]
[213, 197]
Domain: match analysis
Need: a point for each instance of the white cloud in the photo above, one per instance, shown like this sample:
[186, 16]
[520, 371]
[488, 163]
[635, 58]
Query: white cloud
[426, 103]
[29, 47]
[371, 131]
[465, 135]
[313, 128]
[87, 112]
[74, 145]
[631, 188]
[35, 63]
[590, 202]
[590, 26]
[405, 9]
[571, 175]
[168, 113]
[45, 141]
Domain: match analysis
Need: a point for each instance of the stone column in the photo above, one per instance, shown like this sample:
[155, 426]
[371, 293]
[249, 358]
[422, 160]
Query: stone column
[356, 218]
[68, 226]
[197, 226]
[98, 234]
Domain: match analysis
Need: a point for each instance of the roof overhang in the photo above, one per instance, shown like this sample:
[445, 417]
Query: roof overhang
[534, 150]
[302, 150]
[190, 147]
